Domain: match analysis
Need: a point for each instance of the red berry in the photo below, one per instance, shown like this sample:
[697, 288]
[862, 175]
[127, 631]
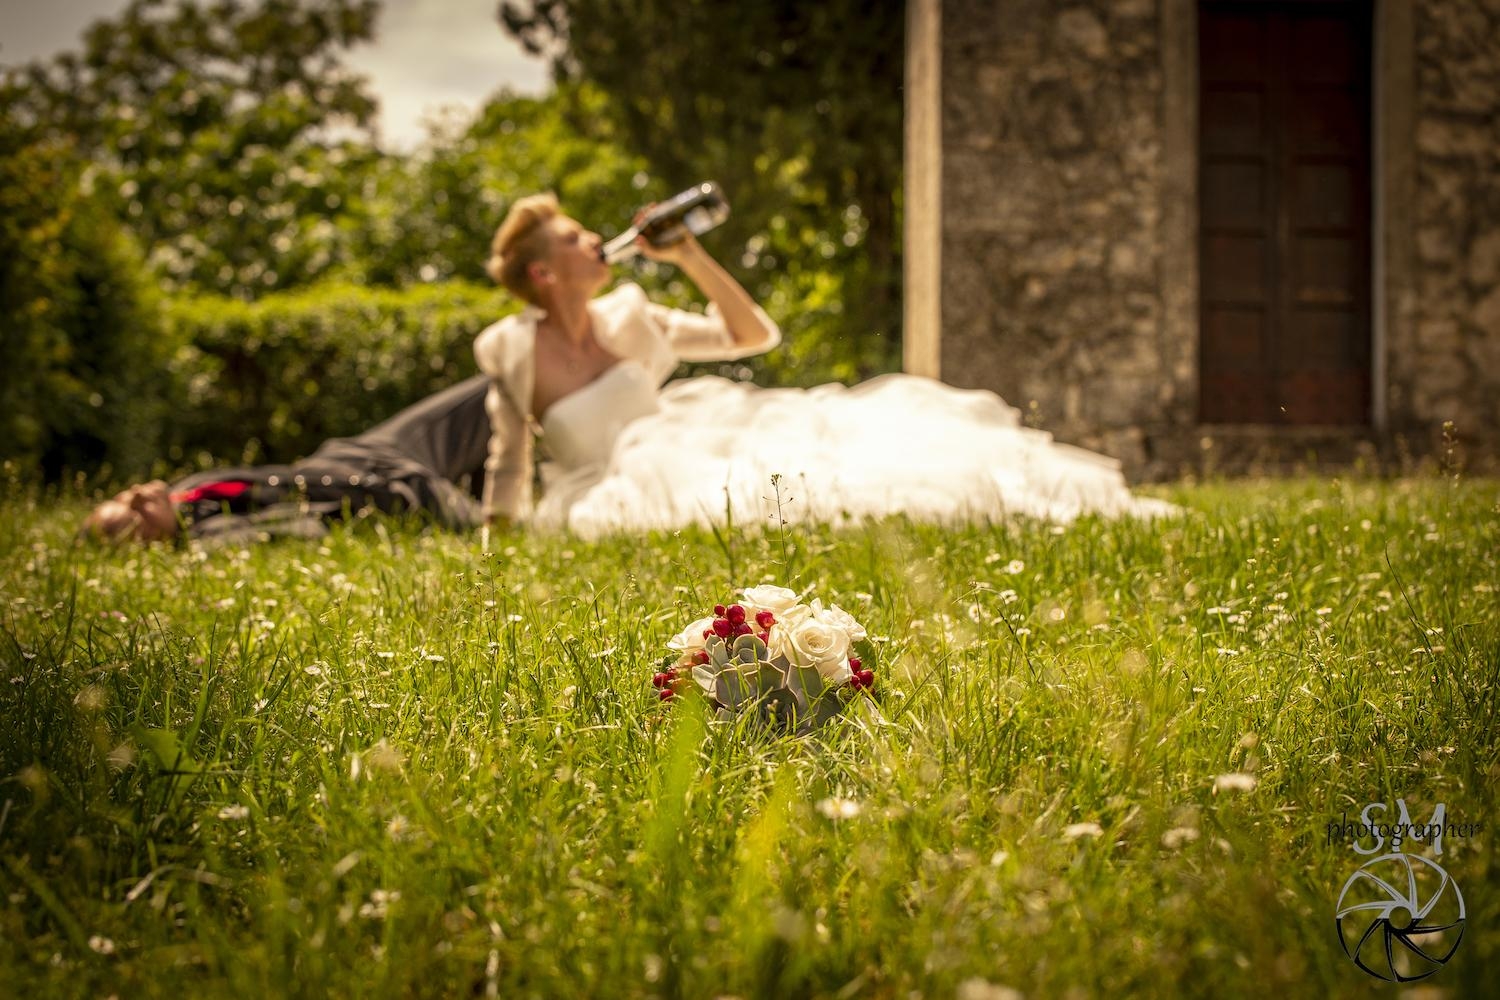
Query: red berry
[765, 637]
[667, 694]
[701, 656]
[656, 680]
[854, 664]
[765, 619]
[743, 628]
[854, 683]
[722, 628]
[718, 611]
[707, 632]
[735, 613]
[867, 678]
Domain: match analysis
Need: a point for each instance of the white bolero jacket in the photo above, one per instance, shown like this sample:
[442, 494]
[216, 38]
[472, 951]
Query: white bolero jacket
[626, 324]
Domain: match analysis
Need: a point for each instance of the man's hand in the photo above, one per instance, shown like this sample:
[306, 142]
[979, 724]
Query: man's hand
[143, 513]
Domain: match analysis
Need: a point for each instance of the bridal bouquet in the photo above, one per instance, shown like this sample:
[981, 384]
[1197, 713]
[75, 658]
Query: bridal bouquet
[771, 655]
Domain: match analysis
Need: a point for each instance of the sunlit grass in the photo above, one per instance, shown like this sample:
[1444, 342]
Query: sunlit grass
[387, 764]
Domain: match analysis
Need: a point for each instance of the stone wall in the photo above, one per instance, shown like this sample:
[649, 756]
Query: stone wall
[1451, 368]
[1052, 198]
[1069, 229]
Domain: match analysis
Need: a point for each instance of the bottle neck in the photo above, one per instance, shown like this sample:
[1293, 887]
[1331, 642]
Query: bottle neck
[621, 248]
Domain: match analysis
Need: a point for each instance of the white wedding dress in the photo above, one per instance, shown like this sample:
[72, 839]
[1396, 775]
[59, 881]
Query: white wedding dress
[624, 455]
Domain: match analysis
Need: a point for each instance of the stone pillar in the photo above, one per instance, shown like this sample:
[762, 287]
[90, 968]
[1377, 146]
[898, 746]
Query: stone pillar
[922, 255]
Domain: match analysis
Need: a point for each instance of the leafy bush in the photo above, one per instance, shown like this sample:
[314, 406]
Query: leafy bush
[289, 370]
[84, 381]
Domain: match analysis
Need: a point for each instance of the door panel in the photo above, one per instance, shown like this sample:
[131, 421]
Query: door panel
[1284, 203]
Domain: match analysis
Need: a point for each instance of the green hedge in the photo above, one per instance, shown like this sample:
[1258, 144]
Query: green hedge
[268, 380]
[105, 378]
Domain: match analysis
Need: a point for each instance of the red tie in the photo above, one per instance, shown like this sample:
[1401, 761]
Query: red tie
[227, 490]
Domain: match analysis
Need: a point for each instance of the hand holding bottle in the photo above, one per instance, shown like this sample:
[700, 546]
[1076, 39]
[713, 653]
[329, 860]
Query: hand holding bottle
[663, 225]
[685, 246]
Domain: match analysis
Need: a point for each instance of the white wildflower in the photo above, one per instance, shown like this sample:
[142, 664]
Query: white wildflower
[839, 808]
[1235, 781]
[379, 904]
[1177, 836]
[976, 988]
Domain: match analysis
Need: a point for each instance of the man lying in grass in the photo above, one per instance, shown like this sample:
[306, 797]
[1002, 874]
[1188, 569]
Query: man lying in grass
[415, 462]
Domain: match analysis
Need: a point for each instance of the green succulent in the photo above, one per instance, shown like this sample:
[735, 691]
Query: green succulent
[743, 678]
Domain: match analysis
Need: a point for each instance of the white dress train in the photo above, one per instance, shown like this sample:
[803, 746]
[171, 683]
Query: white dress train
[626, 456]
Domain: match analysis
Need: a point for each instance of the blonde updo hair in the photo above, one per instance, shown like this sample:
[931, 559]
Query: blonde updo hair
[521, 239]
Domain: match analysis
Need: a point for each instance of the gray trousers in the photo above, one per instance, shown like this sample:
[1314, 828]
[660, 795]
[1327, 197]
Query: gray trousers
[420, 461]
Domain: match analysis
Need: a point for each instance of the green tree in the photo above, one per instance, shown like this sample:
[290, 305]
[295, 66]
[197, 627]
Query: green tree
[215, 127]
[796, 108]
[431, 216]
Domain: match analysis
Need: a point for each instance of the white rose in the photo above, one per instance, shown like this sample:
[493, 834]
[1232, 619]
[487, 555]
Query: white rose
[807, 642]
[768, 598]
[691, 639]
[835, 672]
[792, 617]
[839, 619]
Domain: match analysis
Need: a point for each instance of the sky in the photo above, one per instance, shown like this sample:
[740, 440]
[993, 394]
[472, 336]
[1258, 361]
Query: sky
[428, 54]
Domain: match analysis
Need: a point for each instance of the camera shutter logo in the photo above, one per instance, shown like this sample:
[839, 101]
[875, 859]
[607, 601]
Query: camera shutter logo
[1400, 917]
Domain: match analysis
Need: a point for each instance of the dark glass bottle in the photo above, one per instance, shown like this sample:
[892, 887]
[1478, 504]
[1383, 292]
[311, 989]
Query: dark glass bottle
[694, 211]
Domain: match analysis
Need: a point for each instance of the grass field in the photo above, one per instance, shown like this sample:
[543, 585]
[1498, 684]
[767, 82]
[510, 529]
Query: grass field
[386, 764]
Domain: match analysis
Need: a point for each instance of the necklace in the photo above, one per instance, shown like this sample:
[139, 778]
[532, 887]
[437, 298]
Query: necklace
[574, 355]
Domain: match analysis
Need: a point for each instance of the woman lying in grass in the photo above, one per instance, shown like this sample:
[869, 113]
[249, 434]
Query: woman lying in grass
[584, 373]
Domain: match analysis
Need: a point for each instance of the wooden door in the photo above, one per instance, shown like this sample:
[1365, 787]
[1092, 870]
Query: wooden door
[1284, 200]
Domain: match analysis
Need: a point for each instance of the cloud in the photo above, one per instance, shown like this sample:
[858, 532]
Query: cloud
[435, 53]
[428, 54]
